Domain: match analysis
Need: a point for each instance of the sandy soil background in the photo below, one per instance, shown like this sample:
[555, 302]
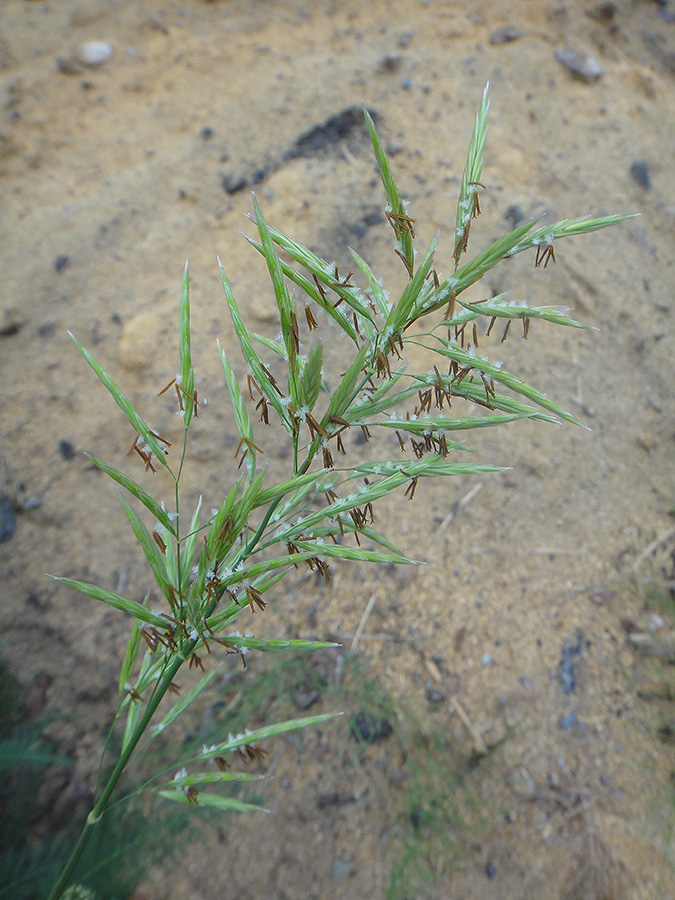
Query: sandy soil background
[112, 176]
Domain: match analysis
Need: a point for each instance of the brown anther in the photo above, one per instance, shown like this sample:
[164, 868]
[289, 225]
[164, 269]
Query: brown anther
[338, 420]
[174, 597]
[319, 287]
[526, 327]
[165, 389]
[382, 363]
[401, 223]
[328, 462]
[323, 569]
[264, 411]
[450, 311]
[475, 334]
[151, 636]
[292, 549]
[196, 662]
[462, 374]
[312, 324]
[178, 396]
[345, 282]
[331, 496]
[489, 388]
[340, 445]
[193, 795]
[412, 487]
[400, 440]
[393, 340]
[249, 446]
[462, 243]
[313, 425]
[408, 265]
[158, 540]
[254, 598]
[160, 439]
[135, 696]
[174, 688]
[545, 255]
[271, 379]
[222, 763]
[180, 391]
[490, 326]
[356, 324]
[295, 333]
[225, 533]
[366, 433]
[506, 330]
[252, 384]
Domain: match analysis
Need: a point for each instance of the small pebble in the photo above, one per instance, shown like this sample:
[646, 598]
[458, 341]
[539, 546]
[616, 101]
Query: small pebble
[66, 449]
[514, 215]
[406, 84]
[505, 35]
[568, 721]
[605, 11]
[95, 53]
[7, 518]
[233, 183]
[433, 694]
[304, 699]
[370, 728]
[640, 172]
[68, 65]
[391, 62]
[61, 262]
[340, 870]
[655, 622]
[486, 659]
[580, 64]
[490, 870]
[647, 441]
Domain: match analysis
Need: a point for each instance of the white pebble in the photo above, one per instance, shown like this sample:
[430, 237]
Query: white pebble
[95, 53]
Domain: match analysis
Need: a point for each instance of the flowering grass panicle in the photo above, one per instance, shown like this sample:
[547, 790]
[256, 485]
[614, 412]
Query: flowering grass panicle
[211, 569]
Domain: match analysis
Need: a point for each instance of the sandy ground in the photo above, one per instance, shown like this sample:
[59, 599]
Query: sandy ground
[112, 176]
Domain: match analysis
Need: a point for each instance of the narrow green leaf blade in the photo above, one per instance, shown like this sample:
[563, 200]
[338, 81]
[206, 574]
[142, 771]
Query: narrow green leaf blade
[184, 702]
[153, 555]
[396, 205]
[136, 491]
[187, 375]
[130, 657]
[212, 801]
[261, 734]
[259, 372]
[132, 607]
[138, 424]
[468, 206]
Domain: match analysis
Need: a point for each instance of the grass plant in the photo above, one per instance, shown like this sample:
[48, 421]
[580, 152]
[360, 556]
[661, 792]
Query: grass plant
[212, 568]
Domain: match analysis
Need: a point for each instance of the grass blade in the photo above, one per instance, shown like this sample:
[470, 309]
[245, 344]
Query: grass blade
[396, 207]
[132, 607]
[149, 436]
[187, 375]
[468, 206]
[137, 491]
